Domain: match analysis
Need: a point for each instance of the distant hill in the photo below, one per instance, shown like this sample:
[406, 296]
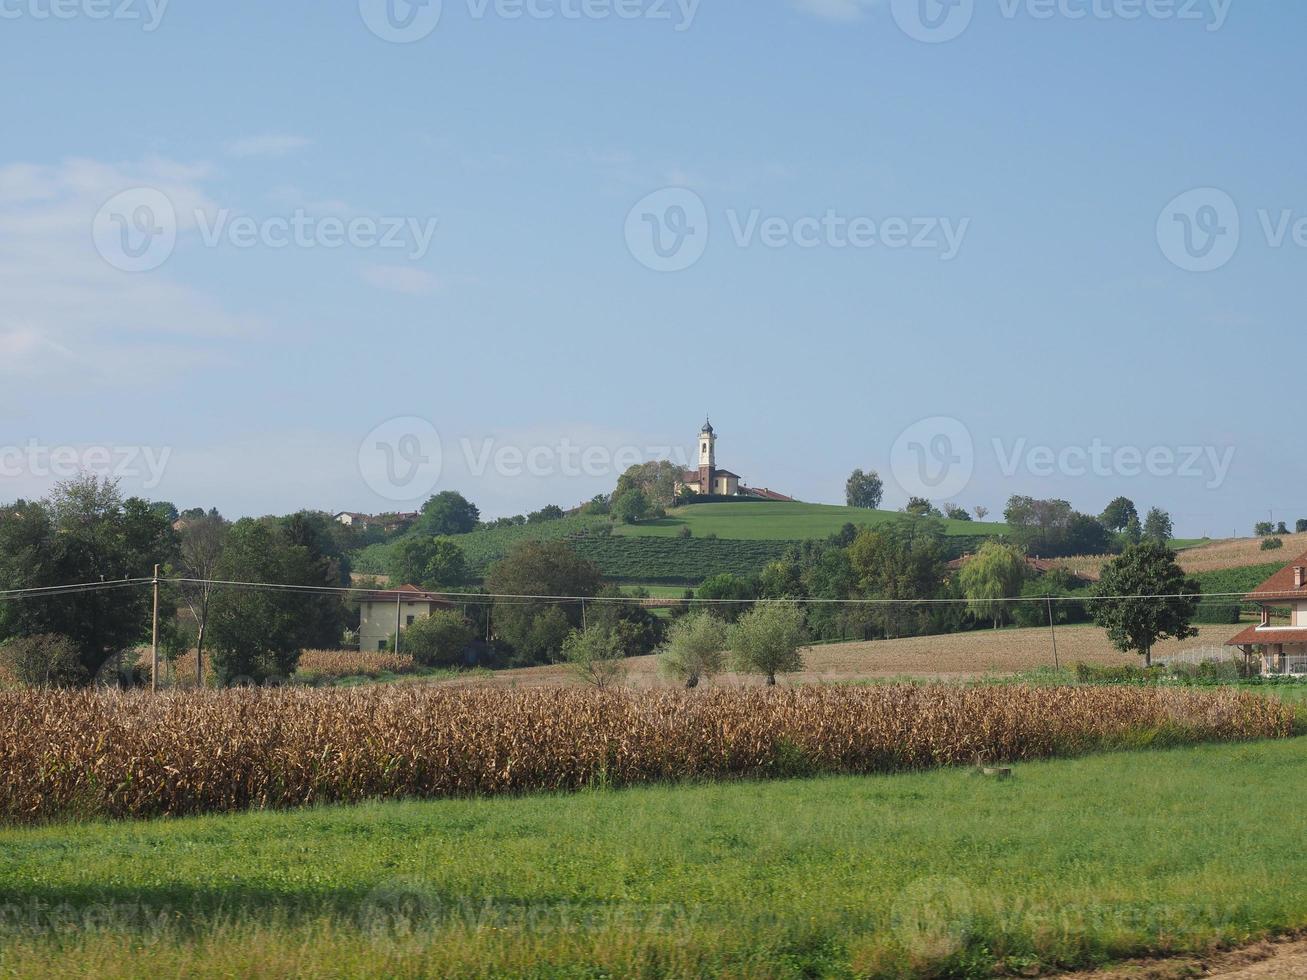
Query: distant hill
[724, 537]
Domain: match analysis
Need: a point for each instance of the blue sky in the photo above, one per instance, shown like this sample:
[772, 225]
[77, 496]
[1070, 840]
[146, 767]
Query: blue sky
[1059, 317]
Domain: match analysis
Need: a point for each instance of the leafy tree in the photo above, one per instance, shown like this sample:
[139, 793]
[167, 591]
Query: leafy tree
[44, 661]
[257, 634]
[955, 513]
[781, 580]
[921, 507]
[600, 506]
[695, 650]
[1086, 535]
[1052, 528]
[1119, 513]
[657, 480]
[428, 562]
[1301, 526]
[1281, 528]
[1134, 531]
[202, 539]
[901, 561]
[438, 640]
[1137, 623]
[448, 513]
[85, 532]
[981, 512]
[991, 576]
[726, 596]
[637, 630]
[1157, 527]
[767, 640]
[539, 568]
[631, 506]
[865, 490]
[544, 515]
[1264, 528]
[596, 656]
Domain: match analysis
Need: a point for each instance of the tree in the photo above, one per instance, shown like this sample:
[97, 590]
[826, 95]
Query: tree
[637, 630]
[1281, 528]
[865, 490]
[980, 512]
[1052, 528]
[1134, 531]
[84, 532]
[1134, 622]
[438, 640]
[631, 506]
[257, 633]
[1264, 528]
[1157, 527]
[991, 576]
[448, 513]
[535, 630]
[1118, 514]
[767, 640]
[202, 540]
[596, 656]
[550, 512]
[955, 513]
[1301, 526]
[726, 596]
[921, 507]
[656, 479]
[900, 561]
[695, 650]
[428, 562]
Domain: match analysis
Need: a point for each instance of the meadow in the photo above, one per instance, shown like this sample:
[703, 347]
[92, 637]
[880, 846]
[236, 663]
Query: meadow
[940, 874]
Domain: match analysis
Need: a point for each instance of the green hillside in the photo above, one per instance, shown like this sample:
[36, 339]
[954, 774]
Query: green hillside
[766, 521]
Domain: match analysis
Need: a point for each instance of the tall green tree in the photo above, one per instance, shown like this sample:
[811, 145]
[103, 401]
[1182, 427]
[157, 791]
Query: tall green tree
[902, 560]
[990, 577]
[695, 650]
[429, 562]
[865, 490]
[448, 513]
[768, 639]
[201, 543]
[1158, 527]
[1145, 597]
[1118, 514]
[534, 630]
[84, 532]
[631, 506]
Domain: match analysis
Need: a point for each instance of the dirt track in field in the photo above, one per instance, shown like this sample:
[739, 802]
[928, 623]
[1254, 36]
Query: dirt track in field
[1261, 961]
[955, 656]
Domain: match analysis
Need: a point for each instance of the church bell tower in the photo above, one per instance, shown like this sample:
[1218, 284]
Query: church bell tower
[707, 458]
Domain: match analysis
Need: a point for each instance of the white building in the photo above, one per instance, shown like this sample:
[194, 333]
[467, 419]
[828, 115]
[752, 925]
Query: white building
[380, 613]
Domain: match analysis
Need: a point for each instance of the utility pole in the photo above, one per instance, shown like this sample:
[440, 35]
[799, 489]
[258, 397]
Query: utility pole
[398, 613]
[1052, 628]
[154, 642]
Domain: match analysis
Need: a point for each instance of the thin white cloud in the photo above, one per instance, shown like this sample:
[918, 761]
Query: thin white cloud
[269, 145]
[837, 10]
[400, 279]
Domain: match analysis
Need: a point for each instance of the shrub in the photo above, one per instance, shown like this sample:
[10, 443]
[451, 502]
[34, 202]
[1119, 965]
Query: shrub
[595, 655]
[45, 660]
[1301, 526]
[1272, 544]
[1217, 613]
[439, 640]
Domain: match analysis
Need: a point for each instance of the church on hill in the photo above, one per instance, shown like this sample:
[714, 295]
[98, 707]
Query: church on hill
[709, 481]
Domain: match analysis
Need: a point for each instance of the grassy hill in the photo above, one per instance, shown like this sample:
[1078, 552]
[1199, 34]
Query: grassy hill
[767, 521]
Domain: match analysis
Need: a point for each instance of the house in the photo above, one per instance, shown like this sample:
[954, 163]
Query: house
[1282, 647]
[389, 522]
[709, 481]
[382, 611]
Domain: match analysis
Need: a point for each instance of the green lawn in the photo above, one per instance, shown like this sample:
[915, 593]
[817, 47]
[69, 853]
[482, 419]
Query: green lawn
[780, 522]
[941, 873]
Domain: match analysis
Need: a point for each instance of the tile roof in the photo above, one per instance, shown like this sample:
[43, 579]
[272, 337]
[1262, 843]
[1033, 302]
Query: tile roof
[406, 593]
[1255, 635]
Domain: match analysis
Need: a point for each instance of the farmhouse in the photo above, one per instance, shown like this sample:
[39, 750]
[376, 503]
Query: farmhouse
[380, 613]
[1282, 647]
[709, 481]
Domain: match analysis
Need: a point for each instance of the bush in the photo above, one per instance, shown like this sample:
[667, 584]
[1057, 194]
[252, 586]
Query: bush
[1272, 544]
[1301, 526]
[1217, 613]
[46, 660]
[439, 640]
[1123, 674]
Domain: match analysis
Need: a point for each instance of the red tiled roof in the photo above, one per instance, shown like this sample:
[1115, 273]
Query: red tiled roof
[1280, 585]
[405, 593]
[1255, 635]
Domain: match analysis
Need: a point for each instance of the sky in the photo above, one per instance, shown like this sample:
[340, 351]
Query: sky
[344, 255]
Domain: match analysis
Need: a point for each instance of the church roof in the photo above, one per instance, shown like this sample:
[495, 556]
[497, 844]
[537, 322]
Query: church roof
[707, 427]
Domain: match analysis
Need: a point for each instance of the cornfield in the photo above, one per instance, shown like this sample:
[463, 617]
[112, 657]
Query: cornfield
[128, 754]
[313, 665]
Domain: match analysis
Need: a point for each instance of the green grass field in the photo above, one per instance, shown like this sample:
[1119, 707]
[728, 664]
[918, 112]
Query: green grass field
[1070, 863]
[766, 521]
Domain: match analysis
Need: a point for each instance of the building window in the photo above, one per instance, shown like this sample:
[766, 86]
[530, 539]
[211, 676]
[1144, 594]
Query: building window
[410, 620]
[382, 644]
